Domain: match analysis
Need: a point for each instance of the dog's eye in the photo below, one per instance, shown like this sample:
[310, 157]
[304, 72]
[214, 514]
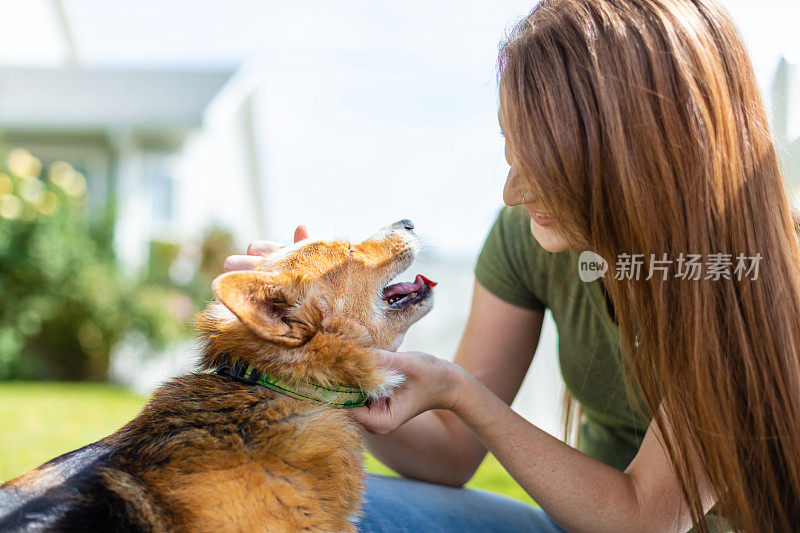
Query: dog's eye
[350, 249]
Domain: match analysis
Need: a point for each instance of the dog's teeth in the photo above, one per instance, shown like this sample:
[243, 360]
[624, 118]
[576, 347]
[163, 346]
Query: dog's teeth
[398, 298]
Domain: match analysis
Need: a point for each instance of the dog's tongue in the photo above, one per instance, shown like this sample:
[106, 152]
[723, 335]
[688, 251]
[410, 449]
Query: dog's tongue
[408, 288]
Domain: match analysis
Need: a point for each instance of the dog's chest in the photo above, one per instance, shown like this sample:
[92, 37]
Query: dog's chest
[284, 469]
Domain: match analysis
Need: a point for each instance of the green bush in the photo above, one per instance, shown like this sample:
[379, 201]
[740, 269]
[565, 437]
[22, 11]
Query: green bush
[65, 300]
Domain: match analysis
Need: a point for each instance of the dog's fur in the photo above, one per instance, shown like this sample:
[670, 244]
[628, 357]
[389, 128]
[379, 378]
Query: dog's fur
[209, 453]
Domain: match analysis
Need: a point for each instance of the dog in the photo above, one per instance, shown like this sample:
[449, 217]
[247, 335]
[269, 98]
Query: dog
[260, 438]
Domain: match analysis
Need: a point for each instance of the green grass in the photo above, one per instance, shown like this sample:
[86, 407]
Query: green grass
[39, 421]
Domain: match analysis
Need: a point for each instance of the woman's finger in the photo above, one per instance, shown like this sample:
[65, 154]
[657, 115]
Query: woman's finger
[258, 249]
[384, 357]
[362, 415]
[377, 417]
[263, 247]
[300, 233]
[241, 262]
[401, 362]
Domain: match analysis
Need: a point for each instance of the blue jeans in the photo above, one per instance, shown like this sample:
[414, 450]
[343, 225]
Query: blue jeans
[396, 505]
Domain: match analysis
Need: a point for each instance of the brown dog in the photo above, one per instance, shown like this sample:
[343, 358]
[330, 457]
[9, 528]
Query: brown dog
[262, 444]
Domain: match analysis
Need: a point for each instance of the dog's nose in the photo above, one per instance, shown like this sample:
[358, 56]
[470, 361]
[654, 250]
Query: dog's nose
[405, 224]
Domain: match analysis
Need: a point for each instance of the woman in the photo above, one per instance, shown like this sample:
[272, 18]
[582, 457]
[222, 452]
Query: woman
[634, 128]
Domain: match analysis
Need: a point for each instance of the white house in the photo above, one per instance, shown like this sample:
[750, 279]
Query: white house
[124, 129]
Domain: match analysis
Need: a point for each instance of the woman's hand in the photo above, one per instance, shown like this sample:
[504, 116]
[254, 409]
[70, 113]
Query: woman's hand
[430, 383]
[258, 249]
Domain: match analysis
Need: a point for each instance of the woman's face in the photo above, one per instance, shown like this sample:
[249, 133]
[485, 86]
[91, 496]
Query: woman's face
[545, 229]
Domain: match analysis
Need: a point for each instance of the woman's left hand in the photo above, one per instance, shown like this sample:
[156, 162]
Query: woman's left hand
[430, 383]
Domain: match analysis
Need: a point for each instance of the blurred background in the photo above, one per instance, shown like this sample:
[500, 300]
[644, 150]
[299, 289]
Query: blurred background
[144, 142]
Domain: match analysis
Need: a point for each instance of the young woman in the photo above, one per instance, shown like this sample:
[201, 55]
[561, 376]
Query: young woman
[634, 128]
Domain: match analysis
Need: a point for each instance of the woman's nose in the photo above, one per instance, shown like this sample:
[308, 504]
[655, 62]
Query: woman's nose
[512, 192]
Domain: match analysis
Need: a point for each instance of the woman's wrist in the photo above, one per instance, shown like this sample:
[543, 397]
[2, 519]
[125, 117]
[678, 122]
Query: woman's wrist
[460, 382]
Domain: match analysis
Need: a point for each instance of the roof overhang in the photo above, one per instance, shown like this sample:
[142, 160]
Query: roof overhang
[81, 99]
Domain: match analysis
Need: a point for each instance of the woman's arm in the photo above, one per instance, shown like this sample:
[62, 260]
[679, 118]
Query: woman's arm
[579, 492]
[496, 348]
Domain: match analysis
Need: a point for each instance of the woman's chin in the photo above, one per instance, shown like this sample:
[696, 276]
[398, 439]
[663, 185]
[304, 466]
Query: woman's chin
[549, 238]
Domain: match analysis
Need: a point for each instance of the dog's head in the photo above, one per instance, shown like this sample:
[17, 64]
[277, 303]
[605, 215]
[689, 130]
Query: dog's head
[314, 310]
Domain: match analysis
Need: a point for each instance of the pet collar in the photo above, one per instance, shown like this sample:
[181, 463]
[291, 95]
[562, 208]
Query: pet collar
[337, 396]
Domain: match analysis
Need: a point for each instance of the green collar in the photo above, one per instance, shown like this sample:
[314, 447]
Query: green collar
[338, 396]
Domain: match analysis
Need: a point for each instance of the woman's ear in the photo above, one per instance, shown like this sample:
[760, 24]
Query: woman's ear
[270, 304]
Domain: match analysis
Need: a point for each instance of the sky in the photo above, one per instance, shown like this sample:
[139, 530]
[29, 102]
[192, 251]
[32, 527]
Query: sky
[389, 105]
[206, 33]
[181, 32]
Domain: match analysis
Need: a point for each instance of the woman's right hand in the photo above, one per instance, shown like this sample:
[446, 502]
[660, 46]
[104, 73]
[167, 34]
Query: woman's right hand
[257, 250]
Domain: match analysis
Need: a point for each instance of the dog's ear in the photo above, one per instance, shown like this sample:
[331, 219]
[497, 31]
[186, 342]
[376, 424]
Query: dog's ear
[271, 304]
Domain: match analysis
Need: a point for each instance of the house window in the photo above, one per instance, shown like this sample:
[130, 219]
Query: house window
[161, 187]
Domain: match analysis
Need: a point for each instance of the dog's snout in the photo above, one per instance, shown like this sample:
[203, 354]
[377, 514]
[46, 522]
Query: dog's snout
[401, 227]
[403, 224]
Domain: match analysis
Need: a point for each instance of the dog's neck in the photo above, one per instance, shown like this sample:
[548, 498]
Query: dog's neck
[339, 396]
[338, 354]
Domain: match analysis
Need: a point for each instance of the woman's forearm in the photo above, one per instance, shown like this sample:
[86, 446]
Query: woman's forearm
[434, 446]
[579, 492]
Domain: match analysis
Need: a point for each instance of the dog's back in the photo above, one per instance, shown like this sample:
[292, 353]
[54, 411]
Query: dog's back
[64, 494]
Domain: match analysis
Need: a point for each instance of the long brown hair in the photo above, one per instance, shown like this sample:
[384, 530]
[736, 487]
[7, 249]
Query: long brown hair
[638, 124]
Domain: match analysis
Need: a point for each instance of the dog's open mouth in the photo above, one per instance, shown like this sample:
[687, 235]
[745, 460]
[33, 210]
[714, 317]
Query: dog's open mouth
[400, 295]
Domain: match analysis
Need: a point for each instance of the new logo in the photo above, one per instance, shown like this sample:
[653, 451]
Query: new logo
[591, 266]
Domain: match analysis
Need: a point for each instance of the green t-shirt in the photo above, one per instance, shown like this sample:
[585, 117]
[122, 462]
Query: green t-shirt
[514, 267]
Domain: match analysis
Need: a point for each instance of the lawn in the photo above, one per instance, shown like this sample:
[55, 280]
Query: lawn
[39, 421]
